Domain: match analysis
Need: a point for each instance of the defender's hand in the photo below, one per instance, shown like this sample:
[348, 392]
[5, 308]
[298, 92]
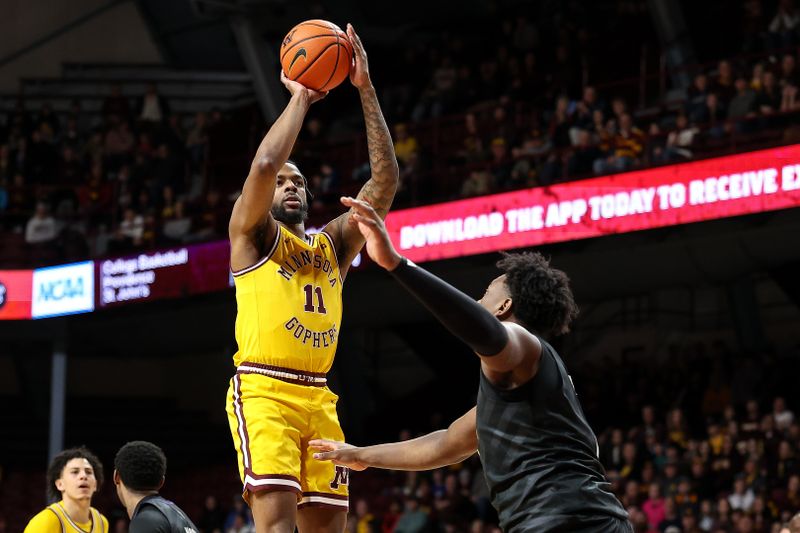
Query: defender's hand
[298, 88]
[379, 246]
[359, 72]
[340, 453]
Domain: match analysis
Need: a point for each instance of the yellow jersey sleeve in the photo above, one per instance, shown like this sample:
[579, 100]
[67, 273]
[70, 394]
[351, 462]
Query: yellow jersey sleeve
[45, 522]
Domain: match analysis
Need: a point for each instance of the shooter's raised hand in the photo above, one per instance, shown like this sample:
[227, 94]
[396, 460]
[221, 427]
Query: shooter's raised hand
[371, 226]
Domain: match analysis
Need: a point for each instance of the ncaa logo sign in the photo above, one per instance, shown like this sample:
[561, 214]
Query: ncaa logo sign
[3, 293]
[63, 290]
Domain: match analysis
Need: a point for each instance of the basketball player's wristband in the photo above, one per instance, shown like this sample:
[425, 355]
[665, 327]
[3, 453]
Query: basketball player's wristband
[463, 316]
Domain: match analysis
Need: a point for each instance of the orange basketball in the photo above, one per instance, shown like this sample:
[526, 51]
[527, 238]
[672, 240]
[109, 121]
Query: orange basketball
[316, 53]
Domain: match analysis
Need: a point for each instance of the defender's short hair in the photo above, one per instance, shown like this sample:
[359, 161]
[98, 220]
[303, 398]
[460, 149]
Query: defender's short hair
[141, 465]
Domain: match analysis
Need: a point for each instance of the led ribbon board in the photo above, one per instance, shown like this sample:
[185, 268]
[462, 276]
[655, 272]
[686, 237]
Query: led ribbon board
[717, 188]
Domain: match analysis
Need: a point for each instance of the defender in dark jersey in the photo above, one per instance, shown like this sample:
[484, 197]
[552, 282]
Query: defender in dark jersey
[139, 470]
[539, 455]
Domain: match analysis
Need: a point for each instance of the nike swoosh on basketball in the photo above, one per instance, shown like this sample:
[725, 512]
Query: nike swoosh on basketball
[300, 52]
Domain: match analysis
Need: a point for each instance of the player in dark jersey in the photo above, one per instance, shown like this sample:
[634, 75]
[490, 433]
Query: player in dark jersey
[539, 455]
[139, 470]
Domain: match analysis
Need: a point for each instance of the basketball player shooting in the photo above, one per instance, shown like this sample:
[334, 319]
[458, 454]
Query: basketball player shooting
[538, 452]
[289, 297]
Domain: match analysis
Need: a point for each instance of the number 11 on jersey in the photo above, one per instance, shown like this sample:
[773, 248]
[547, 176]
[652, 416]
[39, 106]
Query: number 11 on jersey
[309, 307]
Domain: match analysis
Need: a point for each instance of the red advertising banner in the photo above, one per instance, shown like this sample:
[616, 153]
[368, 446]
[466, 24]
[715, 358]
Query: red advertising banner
[723, 187]
[16, 288]
[172, 273]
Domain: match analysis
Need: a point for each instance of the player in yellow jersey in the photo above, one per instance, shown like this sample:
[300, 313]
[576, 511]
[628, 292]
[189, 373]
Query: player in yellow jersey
[289, 298]
[73, 477]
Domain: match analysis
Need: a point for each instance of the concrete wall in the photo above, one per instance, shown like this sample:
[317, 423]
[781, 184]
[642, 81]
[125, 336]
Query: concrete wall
[117, 35]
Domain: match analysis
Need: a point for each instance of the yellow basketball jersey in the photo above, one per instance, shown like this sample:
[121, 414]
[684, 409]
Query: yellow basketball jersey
[54, 519]
[290, 305]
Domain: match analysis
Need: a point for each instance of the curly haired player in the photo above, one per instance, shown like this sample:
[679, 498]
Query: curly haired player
[73, 477]
[539, 455]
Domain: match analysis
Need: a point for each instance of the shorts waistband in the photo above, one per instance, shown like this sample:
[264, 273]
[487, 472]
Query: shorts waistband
[289, 375]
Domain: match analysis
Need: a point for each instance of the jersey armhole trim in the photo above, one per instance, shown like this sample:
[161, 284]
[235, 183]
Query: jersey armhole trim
[335, 255]
[60, 522]
[237, 273]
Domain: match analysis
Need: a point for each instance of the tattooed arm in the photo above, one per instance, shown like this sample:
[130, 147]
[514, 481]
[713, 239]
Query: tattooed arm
[380, 189]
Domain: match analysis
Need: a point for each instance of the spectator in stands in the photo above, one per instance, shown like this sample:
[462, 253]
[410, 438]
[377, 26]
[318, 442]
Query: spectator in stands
[69, 170]
[500, 163]
[413, 519]
[211, 221]
[144, 146]
[783, 417]
[6, 164]
[477, 184]
[631, 464]
[42, 227]
[724, 515]
[239, 525]
[711, 116]
[213, 519]
[453, 508]
[502, 124]
[152, 108]
[168, 169]
[789, 98]
[197, 141]
[741, 106]
[792, 526]
[488, 85]
[705, 519]
[408, 189]
[3, 194]
[391, 517]
[769, 98]
[20, 200]
[671, 517]
[723, 85]
[788, 71]
[238, 509]
[115, 106]
[753, 25]
[472, 148]
[742, 497]
[689, 522]
[42, 159]
[438, 95]
[47, 122]
[365, 521]
[178, 225]
[784, 26]
[696, 98]
[81, 123]
[130, 232]
[582, 157]
[404, 144]
[785, 465]
[174, 136]
[680, 140]
[583, 116]
[167, 204]
[627, 147]
[94, 148]
[119, 144]
[71, 136]
[560, 124]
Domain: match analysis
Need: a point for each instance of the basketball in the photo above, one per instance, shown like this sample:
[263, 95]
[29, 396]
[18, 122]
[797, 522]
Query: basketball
[317, 54]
